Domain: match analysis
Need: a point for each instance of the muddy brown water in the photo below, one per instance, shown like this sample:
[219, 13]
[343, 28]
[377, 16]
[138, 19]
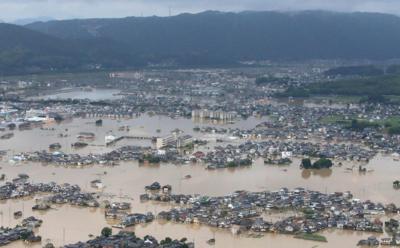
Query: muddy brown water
[68, 224]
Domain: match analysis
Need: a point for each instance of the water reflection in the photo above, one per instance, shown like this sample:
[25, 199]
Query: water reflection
[307, 173]
[79, 93]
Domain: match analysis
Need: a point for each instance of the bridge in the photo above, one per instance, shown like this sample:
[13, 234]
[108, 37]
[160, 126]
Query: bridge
[137, 137]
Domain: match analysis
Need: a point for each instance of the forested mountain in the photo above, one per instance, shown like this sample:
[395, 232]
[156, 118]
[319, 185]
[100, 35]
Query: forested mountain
[208, 38]
[23, 50]
[246, 35]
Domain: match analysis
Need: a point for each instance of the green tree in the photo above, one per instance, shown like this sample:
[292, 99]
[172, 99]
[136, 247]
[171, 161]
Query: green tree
[106, 232]
[25, 235]
[232, 164]
[322, 163]
[306, 163]
[394, 130]
[167, 240]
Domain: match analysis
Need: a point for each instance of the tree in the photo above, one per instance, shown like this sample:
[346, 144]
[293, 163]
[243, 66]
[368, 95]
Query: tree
[319, 164]
[231, 164]
[394, 130]
[322, 163]
[166, 241]
[306, 163]
[106, 232]
[25, 235]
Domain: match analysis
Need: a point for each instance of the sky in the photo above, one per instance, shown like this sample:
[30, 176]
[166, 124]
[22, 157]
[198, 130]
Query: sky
[11, 10]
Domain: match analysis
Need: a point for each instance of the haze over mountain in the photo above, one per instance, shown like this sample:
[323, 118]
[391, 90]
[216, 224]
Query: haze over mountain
[25, 21]
[209, 38]
[83, 9]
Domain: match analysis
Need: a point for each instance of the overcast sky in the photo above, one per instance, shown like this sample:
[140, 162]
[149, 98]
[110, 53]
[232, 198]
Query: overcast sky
[65, 9]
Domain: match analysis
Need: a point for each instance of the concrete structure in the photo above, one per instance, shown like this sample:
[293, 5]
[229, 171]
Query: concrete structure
[216, 115]
[176, 140]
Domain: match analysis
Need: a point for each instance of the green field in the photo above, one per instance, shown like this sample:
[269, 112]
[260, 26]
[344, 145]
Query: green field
[390, 125]
[379, 86]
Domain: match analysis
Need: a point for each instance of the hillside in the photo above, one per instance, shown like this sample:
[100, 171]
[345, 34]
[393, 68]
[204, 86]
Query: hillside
[23, 50]
[226, 37]
[206, 39]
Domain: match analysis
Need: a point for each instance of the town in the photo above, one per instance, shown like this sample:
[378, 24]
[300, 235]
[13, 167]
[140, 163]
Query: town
[314, 211]
[219, 120]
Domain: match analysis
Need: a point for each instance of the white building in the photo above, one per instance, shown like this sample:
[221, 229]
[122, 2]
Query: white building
[286, 154]
[215, 115]
[109, 138]
[176, 140]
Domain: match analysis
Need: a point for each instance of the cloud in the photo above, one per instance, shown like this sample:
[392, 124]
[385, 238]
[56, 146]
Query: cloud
[66, 9]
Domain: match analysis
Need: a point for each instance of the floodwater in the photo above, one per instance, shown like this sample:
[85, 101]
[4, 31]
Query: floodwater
[200, 235]
[67, 224]
[145, 125]
[78, 93]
